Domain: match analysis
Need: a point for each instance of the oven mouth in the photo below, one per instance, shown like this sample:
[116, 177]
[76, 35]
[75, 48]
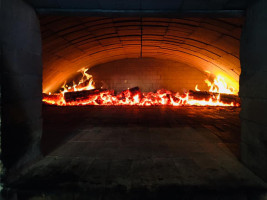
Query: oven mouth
[205, 47]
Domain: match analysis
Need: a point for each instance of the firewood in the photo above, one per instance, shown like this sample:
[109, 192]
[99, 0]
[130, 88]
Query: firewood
[225, 98]
[52, 97]
[129, 93]
[82, 95]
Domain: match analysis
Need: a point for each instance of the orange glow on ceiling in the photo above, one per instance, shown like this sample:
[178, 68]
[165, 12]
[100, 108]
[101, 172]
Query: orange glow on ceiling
[204, 43]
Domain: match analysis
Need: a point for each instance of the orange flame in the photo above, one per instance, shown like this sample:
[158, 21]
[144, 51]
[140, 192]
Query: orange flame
[161, 97]
[196, 88]
[85, 83]
[128, 97]
[220, 86]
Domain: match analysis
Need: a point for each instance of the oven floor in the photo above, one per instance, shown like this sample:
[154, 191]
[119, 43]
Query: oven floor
[129, 152]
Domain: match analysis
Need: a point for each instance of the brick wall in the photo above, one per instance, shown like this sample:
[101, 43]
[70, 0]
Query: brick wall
[149, 74]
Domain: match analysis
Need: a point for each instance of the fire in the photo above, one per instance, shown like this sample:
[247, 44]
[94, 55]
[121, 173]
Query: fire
[220, 86]
[85, 83]
[127, 97]
[196, 88]
[84, 93]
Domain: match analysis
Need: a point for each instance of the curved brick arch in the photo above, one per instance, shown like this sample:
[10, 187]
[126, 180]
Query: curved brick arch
[70, 43]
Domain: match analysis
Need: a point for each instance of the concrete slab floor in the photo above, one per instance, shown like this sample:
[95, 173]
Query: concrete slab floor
[124, 152]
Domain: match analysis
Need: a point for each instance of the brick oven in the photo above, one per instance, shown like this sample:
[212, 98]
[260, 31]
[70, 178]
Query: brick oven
[144, 103]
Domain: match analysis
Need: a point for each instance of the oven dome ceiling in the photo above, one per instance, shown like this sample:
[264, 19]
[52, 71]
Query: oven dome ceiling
[71, 43]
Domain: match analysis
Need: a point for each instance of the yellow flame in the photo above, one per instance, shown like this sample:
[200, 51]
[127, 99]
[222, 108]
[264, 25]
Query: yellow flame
[81, 85]
[161, 97]
[196, 88]
[220, 86]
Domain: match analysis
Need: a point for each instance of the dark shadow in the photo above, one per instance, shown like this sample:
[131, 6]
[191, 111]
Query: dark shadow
[62, 123]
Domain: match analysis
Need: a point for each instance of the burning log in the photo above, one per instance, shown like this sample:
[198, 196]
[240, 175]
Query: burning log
[230, 98]
[130, 93]
[83, 95]
[225, 98]
[134, 96]
[134, 90]
[56, 97]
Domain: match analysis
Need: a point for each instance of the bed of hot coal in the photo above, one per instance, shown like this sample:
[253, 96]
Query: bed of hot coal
[134, 96]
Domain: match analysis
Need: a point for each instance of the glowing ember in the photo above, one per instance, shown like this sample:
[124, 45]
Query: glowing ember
[84, 93]
[161, 97]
